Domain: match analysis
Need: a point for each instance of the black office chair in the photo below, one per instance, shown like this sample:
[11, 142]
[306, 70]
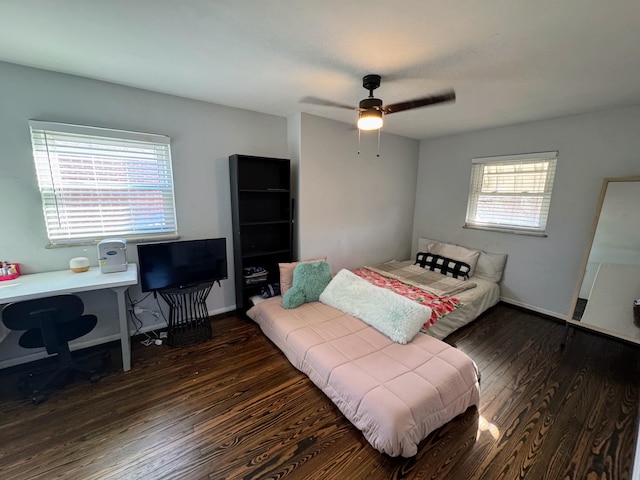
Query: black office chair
[51, 322]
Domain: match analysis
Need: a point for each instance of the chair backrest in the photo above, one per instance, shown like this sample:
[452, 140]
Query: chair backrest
[28, 314]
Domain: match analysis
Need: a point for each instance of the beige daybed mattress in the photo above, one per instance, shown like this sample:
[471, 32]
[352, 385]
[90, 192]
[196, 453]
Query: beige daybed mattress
[395, 394]
[474, 301]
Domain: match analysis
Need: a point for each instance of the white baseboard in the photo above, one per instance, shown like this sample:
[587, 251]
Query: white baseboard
[533, 308]
[218, 311]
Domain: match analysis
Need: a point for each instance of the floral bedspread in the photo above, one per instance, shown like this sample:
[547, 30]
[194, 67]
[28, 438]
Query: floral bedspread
[440, 306]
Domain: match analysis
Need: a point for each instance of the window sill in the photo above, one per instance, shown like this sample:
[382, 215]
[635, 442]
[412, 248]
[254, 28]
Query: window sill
[140, 239]
[506, 230]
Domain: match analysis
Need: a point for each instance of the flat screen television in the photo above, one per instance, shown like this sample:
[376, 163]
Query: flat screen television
[182, 263]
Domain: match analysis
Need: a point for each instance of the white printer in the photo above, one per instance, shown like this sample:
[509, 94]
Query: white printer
[112, 255]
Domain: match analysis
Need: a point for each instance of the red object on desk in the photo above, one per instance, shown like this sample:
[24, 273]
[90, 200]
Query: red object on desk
[13, 275]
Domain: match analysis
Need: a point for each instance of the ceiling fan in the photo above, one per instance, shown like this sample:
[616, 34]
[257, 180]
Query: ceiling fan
[371, 110]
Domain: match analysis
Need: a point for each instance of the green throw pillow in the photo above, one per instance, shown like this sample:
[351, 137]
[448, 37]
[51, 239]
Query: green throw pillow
[309, 281]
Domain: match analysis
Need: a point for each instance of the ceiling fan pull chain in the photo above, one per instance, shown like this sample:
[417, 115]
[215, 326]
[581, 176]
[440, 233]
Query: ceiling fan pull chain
[378, 153]
[358, 141]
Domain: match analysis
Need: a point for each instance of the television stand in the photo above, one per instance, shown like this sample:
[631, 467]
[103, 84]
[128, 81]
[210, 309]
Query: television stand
[188, 316]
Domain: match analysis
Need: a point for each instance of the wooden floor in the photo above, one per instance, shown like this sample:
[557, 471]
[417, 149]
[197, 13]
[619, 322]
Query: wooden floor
[234, 408]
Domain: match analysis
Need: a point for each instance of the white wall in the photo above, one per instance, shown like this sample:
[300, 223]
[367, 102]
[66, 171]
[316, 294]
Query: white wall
[355, 209]
[203, 136]
[541, 273]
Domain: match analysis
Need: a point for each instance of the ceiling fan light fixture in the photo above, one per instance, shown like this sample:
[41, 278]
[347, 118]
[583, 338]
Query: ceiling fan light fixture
[370, 119]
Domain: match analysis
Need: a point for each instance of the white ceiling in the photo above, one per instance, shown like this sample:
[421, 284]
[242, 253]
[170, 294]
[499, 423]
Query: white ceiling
[509, 61]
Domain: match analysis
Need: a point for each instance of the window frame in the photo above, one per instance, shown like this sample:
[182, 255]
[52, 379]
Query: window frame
[478, 174]
[126, 175]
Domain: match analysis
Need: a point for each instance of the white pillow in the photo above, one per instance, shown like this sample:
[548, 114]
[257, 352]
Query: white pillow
[455, 252]
[491, 266]
[424, 244]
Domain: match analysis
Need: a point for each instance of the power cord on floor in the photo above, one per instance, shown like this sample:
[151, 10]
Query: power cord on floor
[134, 311]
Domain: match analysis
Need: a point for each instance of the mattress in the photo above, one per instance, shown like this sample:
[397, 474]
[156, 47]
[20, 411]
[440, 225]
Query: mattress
[395, 394]
[474, 301]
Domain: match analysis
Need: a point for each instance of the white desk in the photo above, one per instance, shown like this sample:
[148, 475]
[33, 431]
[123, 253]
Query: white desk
[39, 285]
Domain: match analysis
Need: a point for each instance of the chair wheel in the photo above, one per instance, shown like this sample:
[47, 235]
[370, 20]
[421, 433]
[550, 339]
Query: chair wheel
[94, 378]
[106, 359]
[24, 388]
[38, 398]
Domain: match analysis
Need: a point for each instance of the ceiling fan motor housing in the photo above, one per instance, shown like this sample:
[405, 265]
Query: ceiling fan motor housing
[371, 102]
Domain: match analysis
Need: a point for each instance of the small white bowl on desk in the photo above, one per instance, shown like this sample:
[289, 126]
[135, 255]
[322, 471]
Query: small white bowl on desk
[79, 264]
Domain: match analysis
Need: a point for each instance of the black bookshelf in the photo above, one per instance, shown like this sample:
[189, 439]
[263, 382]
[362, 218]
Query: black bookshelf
[261, 210]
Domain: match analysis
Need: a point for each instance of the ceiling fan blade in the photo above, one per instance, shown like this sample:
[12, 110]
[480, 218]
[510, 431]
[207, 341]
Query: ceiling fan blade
[446, 96]
[326, 103]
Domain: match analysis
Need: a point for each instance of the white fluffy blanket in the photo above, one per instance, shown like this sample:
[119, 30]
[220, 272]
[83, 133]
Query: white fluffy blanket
[397, 317]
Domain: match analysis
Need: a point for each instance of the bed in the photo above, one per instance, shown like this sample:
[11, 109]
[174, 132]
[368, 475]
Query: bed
[395, 390]
[474, 302]
[395, 394]
[469, 304]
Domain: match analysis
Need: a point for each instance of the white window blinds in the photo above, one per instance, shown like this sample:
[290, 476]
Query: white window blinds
[97, 183]
[511, 193]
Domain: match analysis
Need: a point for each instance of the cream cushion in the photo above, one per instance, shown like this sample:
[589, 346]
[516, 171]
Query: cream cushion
[489, 265]
[456, 252]
[424, 244]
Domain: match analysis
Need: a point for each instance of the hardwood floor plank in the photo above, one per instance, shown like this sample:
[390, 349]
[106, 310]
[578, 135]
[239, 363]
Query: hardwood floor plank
[233, 407]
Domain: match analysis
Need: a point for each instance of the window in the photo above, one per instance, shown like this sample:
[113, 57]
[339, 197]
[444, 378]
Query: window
[511, 193]
[97, 183]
